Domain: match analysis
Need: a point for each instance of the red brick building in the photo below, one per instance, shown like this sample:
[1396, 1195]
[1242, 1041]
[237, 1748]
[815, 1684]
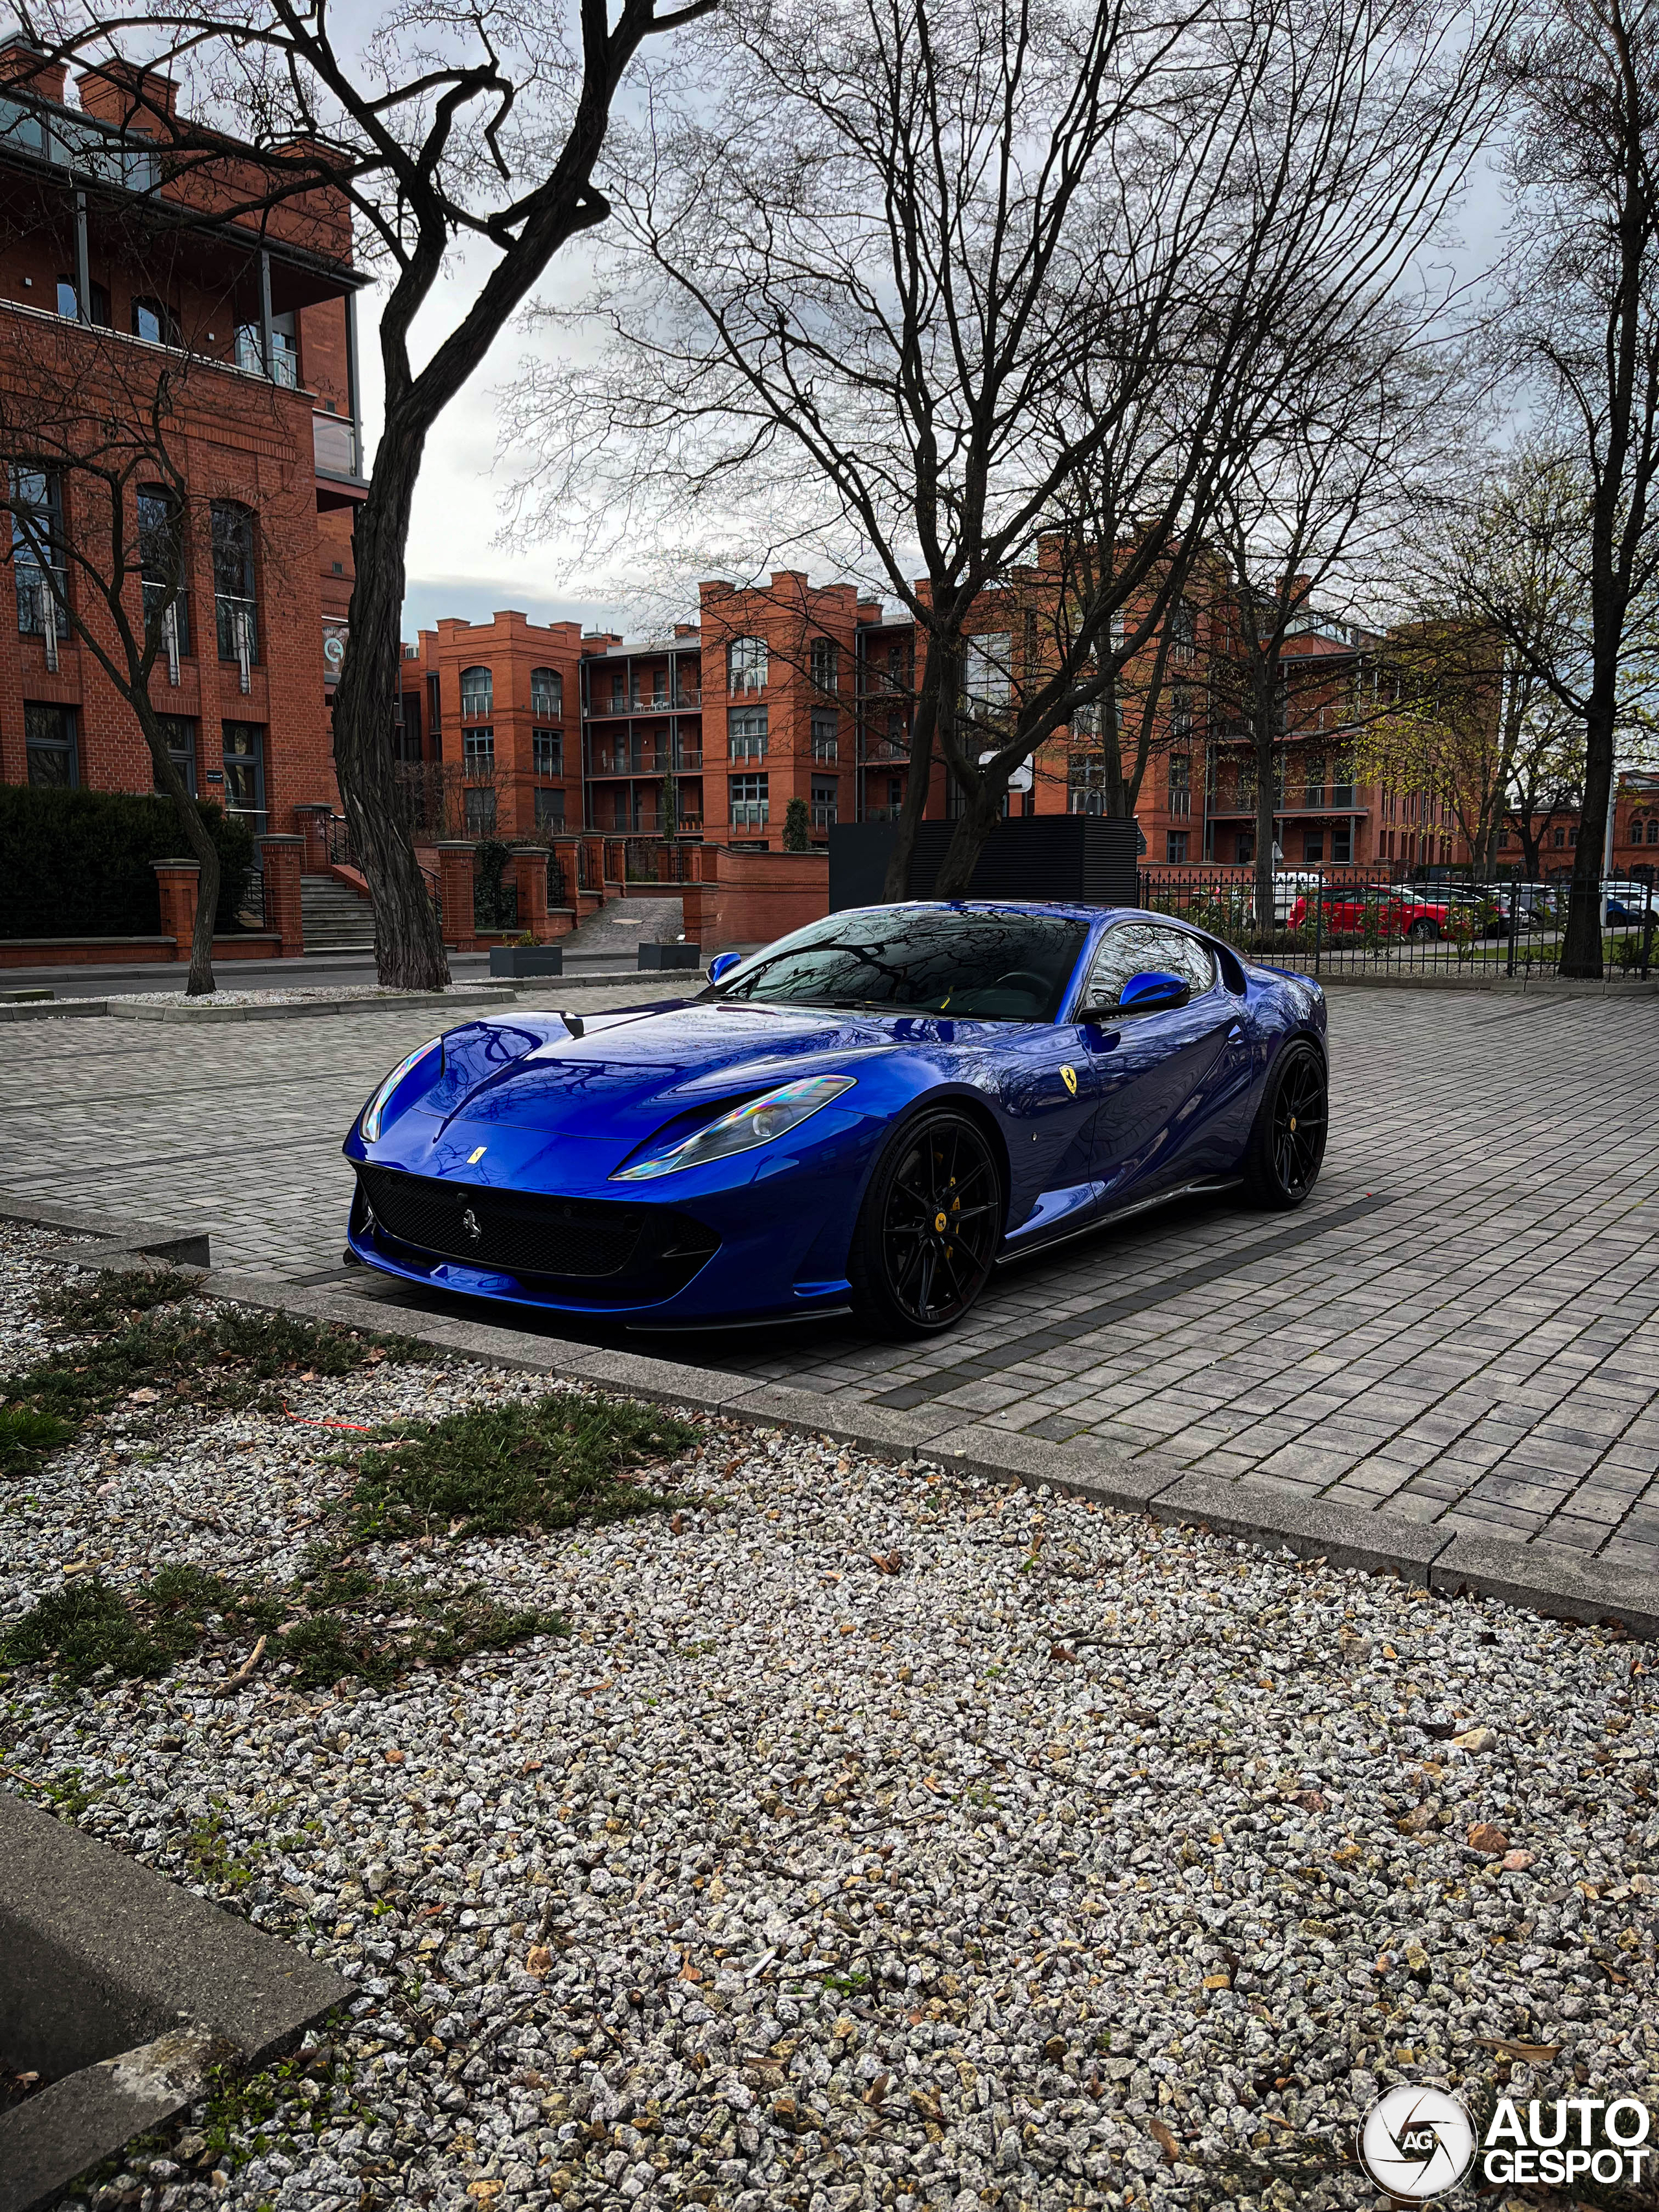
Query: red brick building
[117, 270]
[490, 726]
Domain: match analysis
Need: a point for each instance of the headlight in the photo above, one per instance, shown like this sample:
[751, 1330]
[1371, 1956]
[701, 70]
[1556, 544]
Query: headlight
[742, 1129]
[374, 1112]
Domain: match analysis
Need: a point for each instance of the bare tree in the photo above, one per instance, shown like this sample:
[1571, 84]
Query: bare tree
[461, 136]
[931, 280]
[1580, 327]
[94, 428]
[1494, 582]
[1305, 520]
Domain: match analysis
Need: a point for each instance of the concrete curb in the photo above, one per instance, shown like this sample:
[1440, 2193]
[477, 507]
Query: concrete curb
[126, 1988]
[59, 1010]
[1545, 1578]
[1516, 987]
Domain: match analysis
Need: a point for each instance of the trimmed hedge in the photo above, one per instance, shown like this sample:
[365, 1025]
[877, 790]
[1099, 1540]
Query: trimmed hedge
[78, 863]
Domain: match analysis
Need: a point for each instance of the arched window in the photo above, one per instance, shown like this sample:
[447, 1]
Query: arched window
[478, 694]
[161, 558]
[546, 694]
[745, 665]
[234, 605]
[1653, 829]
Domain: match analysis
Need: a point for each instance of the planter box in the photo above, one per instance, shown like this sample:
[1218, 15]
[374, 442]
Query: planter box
[670, 956]
[526, 960]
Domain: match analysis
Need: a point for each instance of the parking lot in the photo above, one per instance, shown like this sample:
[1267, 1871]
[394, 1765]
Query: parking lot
[1461, 1325]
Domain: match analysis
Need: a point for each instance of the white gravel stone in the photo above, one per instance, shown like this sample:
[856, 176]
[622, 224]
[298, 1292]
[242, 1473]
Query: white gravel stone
[875, 1837]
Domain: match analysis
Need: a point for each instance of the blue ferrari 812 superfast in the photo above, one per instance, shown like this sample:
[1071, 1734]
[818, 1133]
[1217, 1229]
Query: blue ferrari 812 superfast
[873, 1113]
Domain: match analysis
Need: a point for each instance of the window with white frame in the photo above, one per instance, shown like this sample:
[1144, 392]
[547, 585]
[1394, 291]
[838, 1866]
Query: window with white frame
[826, 734]
[826, 795]
[751, 804]
[745, 665]
[547, 752]
[825, 664]
[547, 694]
[987, 669]
[1183, 631]
[478, 694]
[745, 733]
[478, 751]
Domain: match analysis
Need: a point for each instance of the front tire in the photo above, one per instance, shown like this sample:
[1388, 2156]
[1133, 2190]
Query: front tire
[929, 1227]
[1425, 932]
[1287, 1142]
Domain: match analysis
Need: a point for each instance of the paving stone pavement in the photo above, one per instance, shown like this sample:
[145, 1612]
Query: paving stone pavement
[1463, 1323]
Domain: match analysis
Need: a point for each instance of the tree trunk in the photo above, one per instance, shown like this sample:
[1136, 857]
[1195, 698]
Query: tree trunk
[982, 812]
[917, 779]
[1581, 950]
[409, 951]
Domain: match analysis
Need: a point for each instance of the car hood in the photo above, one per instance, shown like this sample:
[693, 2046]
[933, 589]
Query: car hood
[627, 1073]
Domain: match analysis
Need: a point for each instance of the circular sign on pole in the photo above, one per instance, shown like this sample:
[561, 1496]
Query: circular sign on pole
[1019, 779]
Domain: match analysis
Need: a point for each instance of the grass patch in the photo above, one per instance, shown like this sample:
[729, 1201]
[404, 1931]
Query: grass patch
[337, 1621]
[220, 1359]
[117, 1294]
[496, 1470]
[85, 1626]
[26, 1437]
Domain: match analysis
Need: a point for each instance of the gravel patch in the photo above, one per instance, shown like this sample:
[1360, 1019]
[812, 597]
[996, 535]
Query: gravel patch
[875, 1837]
[296, 997]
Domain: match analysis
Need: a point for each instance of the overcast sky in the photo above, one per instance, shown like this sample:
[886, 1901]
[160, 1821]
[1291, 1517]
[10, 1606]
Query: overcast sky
[457, 564]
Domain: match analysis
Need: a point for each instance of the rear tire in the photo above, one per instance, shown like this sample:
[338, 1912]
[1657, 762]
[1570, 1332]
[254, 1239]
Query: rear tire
[1287, 1142]
[929, 1227]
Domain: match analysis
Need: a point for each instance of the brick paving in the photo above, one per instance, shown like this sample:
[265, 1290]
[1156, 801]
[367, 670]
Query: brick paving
[1462, 1325]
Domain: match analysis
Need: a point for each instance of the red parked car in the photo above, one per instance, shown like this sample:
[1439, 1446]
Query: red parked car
[1385, 908]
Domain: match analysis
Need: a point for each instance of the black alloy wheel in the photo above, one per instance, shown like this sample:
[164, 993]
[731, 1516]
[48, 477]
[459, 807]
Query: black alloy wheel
[1288, 1145]
[929, 1226]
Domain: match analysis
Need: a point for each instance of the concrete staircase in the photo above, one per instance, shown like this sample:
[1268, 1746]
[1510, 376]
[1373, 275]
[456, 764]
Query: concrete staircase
[335, 919]
[610, 939]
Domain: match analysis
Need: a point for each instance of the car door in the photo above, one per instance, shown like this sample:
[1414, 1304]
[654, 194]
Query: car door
[1051, 1088]
[1172, 1087]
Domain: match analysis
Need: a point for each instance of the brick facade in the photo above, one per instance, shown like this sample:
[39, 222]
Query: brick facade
[250, 331]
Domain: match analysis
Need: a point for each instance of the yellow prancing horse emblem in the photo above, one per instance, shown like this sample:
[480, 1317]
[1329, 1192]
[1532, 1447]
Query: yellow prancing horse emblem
[1068, 1076]
[473, 1158]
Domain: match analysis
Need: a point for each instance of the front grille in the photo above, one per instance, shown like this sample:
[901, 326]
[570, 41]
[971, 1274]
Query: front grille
[607, 1249]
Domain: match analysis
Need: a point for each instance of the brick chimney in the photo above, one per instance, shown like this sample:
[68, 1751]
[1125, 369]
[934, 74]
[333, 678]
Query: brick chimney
[132, 98]
[26, 68]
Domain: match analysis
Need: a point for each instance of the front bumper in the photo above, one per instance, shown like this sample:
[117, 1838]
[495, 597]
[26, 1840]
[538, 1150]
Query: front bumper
[765, 1234]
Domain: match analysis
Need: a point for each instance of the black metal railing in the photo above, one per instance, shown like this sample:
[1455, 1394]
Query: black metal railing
[1370, 922]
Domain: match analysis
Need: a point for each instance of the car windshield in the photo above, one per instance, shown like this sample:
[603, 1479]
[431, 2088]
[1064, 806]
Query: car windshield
[988, 967]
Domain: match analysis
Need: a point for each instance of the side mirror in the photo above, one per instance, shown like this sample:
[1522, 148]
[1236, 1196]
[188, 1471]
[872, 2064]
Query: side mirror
[722, 964]
[1153, 993]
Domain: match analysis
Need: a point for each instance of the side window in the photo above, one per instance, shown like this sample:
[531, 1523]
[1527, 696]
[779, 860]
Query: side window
[1126, 951]
[1177, 954]
[1133, 948]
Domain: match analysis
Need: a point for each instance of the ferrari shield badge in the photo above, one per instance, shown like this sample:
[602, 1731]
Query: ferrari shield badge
[1068, 1076]
[473, 1158]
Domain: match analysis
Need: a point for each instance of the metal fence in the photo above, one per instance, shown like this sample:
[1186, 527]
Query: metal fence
[1336, 922]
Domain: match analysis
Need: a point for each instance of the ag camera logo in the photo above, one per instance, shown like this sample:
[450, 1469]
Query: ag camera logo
[1417, 2143]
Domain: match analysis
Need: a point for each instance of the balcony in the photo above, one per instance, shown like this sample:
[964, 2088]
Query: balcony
[751, 813]
[623, 760]
[335, 447]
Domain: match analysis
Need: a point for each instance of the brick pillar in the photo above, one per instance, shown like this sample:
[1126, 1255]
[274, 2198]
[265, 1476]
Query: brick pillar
[313, 822]
[176, 881]
[530, 874]
[281, 859]
[455, 864]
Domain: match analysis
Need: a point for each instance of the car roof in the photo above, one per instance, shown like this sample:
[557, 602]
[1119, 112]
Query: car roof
[1062, 909]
